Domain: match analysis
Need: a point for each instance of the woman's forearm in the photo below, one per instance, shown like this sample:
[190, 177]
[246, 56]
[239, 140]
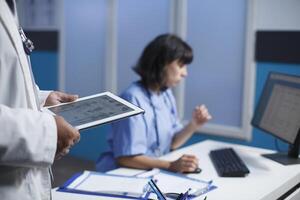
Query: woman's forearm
[142, 162]
[185, 134]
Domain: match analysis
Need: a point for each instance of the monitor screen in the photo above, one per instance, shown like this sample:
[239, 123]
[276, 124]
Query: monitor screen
[278, 110]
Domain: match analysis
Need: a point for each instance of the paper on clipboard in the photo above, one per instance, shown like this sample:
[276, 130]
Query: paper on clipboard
[101, 184]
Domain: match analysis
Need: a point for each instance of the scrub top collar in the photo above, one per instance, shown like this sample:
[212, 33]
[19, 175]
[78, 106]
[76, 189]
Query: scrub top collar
[157, 100]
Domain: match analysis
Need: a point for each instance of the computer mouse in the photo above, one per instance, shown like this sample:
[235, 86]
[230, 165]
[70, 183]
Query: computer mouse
[196, 171]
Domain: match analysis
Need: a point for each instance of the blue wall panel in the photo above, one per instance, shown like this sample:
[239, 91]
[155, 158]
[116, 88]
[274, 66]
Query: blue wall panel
[85, 30]
[45, 69]
[92, 143]
[216, 31]
[138, 23]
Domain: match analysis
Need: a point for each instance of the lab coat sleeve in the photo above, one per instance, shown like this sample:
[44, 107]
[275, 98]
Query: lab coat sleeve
[28, 138]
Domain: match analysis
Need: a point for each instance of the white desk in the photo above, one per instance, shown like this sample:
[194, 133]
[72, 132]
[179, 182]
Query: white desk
[267, 179]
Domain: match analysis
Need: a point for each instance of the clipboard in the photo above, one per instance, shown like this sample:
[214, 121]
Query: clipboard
[94, 110]
[133, 187]
[90, 183]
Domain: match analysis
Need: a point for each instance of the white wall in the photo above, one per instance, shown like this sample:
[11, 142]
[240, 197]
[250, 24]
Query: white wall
[277, 14]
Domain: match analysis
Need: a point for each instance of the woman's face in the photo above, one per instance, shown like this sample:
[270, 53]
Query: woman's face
[174, 73]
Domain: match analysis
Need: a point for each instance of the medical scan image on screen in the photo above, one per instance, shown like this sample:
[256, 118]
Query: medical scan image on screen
[90, 110]
[279, 107]
[282, 112]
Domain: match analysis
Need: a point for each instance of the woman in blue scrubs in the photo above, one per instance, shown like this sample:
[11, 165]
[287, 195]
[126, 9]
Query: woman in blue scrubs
[139, 141]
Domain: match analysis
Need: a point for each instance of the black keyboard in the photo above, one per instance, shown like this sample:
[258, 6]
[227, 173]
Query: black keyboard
[228, 163]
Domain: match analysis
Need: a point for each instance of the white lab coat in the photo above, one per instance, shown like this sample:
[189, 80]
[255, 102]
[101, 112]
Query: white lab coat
[27, 137]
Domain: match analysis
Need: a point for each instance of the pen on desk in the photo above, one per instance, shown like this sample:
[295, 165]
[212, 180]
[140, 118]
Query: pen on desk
[146, 196]
[156, 190]
[204, 189]
[179, 196]
[185, 195]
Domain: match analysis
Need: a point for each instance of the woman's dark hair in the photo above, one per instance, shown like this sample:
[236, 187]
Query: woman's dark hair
[161, 51]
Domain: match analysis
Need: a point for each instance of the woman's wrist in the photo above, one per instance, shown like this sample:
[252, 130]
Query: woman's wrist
[170, 166]
[163, 164]
[193, 126]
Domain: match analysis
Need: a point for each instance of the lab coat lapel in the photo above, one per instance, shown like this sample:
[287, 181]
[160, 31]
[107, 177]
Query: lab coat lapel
[7, 19]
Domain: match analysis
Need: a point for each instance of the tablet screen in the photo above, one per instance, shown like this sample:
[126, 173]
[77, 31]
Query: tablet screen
[95, 109]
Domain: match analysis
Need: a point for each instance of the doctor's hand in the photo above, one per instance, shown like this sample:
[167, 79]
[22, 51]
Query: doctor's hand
[67, 136]
[57, 97]
[186, 163]
[200, 116]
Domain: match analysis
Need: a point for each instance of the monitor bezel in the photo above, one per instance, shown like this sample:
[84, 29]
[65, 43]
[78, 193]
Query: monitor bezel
[292, 156]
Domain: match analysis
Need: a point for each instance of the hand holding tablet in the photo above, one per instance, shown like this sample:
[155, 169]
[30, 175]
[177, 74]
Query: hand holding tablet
[94, 110]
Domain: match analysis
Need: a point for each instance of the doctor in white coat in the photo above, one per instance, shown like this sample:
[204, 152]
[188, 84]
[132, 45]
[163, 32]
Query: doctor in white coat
[29, 139]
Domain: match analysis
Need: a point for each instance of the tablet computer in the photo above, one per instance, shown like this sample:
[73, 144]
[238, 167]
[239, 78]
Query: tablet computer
[94, 110]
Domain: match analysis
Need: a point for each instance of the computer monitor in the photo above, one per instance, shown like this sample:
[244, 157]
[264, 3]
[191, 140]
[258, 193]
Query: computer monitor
[278, 113]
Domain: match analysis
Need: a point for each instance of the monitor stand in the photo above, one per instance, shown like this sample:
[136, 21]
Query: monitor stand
[291, 158]
[282, 158]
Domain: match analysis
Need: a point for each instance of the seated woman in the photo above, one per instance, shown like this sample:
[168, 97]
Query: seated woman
[139, 141]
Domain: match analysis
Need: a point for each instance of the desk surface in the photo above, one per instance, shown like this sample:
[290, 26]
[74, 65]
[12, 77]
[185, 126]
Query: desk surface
[267, 179]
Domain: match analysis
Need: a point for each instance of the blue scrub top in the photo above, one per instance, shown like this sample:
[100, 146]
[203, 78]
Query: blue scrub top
[137, 135]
